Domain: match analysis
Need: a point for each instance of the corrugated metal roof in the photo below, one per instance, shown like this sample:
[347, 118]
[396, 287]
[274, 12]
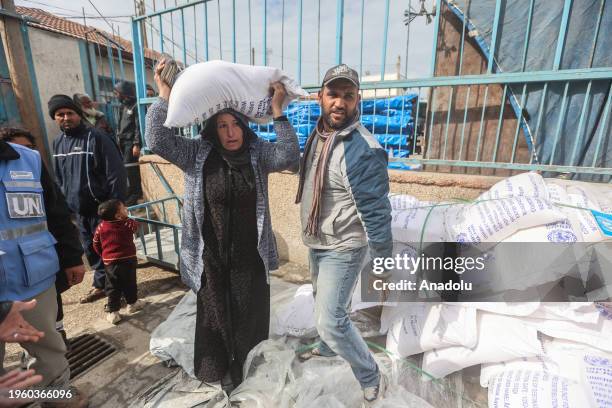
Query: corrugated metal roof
[44, 20]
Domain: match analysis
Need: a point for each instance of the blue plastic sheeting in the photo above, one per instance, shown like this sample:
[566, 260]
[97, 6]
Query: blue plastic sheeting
[579, 52]
[395, 105]
[392, 125]
[397, 124]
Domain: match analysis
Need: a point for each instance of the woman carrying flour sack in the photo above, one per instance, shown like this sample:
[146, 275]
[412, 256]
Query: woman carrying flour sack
[228, 247]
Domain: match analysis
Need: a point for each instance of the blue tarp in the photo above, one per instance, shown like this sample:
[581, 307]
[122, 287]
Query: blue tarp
[390, 120]
[578, 53]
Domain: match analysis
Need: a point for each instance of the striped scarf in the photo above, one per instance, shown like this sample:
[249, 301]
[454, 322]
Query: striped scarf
[328, 139]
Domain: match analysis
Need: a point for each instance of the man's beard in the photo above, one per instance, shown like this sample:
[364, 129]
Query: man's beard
[348, 119]
[68, 128]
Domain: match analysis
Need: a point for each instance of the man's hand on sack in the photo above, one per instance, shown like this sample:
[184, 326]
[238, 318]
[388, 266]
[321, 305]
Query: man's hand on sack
[378, 272]
[15, 329]
[164, 89]
[75, 274]
[136, 151]
[16, 380]
[279, 93]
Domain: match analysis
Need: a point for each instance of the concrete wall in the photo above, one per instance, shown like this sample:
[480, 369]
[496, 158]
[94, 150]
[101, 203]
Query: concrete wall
[283, 187]
[59, 70]
[57, 64]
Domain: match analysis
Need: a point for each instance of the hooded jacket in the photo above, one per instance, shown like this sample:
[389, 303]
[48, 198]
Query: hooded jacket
[89, 169]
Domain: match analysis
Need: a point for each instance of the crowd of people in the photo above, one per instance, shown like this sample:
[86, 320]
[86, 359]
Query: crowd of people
[228, 247]
[48, 221]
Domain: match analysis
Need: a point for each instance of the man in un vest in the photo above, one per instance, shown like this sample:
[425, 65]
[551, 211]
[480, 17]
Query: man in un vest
[35, 227]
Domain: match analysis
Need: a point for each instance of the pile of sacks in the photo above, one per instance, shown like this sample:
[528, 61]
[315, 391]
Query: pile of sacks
[531, 354]
[522, 208]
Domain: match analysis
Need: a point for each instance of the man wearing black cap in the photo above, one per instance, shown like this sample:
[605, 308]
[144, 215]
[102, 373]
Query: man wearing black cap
[89, 170]
[128, 135]
[344, 210]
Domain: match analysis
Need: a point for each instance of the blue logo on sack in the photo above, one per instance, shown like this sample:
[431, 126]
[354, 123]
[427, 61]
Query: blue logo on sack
[604, 221]
[597, 361]
[561, 235]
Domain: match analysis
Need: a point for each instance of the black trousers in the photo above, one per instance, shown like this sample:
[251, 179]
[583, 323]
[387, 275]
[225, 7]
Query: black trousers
[87, 227]
[133, 172]
[121, 280]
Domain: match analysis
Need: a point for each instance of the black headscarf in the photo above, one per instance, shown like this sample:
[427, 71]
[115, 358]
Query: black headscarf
[240, 159]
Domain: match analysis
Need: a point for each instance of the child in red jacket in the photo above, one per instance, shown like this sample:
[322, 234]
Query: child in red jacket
[114, 242]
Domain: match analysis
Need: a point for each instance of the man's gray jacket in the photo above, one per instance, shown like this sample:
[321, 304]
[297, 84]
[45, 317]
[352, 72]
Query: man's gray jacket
[355, 208]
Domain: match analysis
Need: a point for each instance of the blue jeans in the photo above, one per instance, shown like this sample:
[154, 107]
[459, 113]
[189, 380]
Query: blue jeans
[334, 275]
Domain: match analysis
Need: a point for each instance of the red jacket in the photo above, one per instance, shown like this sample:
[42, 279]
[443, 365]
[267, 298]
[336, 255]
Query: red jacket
[114, 240]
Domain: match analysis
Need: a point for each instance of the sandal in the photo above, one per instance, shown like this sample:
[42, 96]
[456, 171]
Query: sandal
[93, 295]
[307, 355]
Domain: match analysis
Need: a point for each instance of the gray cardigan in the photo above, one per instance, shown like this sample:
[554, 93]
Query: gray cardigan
[189, 155]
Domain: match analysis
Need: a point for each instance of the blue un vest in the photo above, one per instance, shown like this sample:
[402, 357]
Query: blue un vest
[28, 260]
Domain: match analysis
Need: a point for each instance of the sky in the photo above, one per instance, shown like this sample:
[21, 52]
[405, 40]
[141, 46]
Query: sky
[318, 32]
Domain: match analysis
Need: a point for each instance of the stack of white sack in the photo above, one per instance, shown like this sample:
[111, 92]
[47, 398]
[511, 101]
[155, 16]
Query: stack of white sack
[532, 354]
[522, 208]
[206, 88]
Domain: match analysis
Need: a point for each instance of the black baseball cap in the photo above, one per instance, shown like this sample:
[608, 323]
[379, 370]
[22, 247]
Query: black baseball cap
[341, 71]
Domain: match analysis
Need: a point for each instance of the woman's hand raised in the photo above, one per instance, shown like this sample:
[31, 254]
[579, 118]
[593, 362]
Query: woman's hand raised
[163, 87]
[278, 97]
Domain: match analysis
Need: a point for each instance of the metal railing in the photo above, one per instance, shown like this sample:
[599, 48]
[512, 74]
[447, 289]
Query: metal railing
[159, 230]
[514, 112]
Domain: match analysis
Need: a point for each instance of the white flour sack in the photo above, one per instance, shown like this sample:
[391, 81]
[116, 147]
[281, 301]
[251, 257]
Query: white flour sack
[417, 327]
[584, 195]
[206, 88]
[567, 375]
[295, 316]
[597, 335]
[535, 389]
[500, 338]
[511, 205]
[415, 221]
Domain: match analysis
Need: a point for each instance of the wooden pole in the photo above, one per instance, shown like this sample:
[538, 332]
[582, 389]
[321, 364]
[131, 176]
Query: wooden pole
[10, 29]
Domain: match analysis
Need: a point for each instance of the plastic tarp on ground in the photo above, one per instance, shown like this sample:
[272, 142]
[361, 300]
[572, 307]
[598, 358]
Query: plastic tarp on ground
[274, 377]
[390, 120]
[592, 134]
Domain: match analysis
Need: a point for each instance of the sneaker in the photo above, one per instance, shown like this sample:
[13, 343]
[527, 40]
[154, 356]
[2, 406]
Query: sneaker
[136, 306]
[93, 295]
[373, 394]
[113, 317]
